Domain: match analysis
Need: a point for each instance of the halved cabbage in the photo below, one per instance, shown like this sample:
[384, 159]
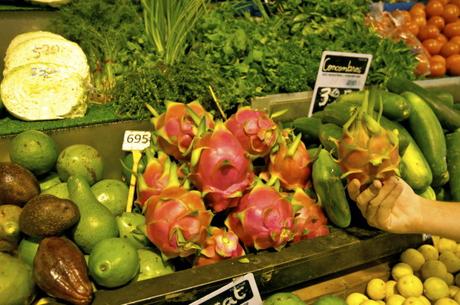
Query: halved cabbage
[44, 91]
[52, 3]
[20, 38]
[48, 50]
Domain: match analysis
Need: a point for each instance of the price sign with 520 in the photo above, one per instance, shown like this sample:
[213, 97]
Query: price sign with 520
[136, 140]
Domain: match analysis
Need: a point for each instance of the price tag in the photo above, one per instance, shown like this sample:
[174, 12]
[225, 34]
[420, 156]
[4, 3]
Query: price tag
[136, 140]
[339, 73]
[242, 290]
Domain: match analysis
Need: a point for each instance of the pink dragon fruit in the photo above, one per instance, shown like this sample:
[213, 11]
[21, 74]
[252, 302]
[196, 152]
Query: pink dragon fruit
[155, 177]
[221, 169]
[219, 245]
[178, 125]
[255, 130]
[290, 164]
[177, 221]
[263, 219]
[309, 221]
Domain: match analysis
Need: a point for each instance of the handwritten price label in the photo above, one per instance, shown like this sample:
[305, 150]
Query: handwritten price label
[136, 140]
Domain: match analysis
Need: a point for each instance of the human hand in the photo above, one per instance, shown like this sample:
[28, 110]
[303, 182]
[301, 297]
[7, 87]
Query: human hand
[389, 205]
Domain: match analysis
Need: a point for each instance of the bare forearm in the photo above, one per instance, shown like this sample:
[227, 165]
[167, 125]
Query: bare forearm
[440, 219]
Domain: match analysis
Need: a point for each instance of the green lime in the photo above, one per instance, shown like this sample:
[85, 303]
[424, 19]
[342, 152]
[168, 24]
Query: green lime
[152, 265]
[59, 190]
[111, 193]
[283, 298]
[330, 300]
[113, 262]
[80, 160]
[34, 150]
[16, 281]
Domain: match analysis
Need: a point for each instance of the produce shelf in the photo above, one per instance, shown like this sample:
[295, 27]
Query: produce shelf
[297, 264]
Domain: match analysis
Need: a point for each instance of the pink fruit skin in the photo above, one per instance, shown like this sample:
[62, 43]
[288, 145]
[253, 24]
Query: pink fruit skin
[255, 131]
[154, 178]
[176, 128]
[263, 219]
[219, 245]
[177, 221]
[223, 171]
[309, 221]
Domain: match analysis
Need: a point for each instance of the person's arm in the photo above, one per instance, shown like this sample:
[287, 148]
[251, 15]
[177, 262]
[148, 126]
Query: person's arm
[393, 206]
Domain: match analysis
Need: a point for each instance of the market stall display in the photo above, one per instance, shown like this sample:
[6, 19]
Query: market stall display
[223, 189]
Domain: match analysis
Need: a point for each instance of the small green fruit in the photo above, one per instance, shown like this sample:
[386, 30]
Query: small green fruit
[113, 262]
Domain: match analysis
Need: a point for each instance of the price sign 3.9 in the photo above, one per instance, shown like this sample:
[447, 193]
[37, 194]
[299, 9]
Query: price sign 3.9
[136, 140]
[339, 73]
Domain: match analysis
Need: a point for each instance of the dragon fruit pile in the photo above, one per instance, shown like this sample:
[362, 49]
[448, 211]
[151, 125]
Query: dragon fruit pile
[198, 168]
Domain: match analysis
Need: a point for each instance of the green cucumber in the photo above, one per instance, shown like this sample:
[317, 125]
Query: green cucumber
[328, 135]
[395, 107]
[453, 163]
[429, 193]
[443, 96]
[330, 190]
[448, 117]
[307, 126]
[415, 170]
[340, 113]
[428, 134]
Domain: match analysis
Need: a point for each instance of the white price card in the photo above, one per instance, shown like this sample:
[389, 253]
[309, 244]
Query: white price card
[338, 73]
[242, 290]
[136, 140]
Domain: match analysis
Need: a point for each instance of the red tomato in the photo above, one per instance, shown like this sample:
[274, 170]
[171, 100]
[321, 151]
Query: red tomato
[453, 64]
[456, 2]
[450, 13]
[411, 27]
[450, 48]
[428, 31]
[418, 9]
[452, 29]
[455, 39]
[434, 8]
[422, 68]
[441, 38]
[437, 68]
[432, 45]
[419, 20]
[438, 58]
[402, 16]
[437, 21]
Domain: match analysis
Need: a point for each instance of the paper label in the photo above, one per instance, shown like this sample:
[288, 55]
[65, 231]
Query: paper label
[136, 140]
[338, 73]
[241, 291]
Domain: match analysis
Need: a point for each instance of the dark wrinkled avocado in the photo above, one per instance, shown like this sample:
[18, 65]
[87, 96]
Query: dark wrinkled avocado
[60, 271]
[17, 184]
[47, 215]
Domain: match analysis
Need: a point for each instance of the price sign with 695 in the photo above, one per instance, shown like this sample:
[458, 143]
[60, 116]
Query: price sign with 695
[136, 140]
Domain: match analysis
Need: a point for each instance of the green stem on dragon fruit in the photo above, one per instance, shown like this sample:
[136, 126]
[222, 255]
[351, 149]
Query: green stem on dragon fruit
[214, 97]
[173, 178]
[294, 145]
[152, 110]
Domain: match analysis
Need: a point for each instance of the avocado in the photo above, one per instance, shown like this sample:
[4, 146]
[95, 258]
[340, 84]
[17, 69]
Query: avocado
[17, 184]
[96, 221]
[47, 215]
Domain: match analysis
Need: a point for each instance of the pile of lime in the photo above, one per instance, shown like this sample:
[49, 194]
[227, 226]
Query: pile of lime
[424, 276]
